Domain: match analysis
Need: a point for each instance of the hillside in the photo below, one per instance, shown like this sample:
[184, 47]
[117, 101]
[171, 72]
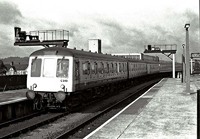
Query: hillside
[16, 60]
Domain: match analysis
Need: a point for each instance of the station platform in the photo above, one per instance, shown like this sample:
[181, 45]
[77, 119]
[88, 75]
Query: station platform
[165, 111]
[12, 96]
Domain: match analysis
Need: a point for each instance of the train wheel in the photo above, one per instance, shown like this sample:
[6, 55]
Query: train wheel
[97, 92]
[112, 90]
[64, 106]
[73, 101]
[38, 102]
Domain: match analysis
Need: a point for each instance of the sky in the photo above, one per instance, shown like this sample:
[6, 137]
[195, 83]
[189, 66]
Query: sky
[124, 26]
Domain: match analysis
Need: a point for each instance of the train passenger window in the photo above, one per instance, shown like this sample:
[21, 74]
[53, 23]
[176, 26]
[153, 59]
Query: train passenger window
[48, 69]
[119, 69]
[111, 68]
[123, 67]
[94, 68]
[36, 67]
[130, 67]
[101, 68]
[106, 68]
[86, 68]
[76, 70]
[62, 68]
[116, 68]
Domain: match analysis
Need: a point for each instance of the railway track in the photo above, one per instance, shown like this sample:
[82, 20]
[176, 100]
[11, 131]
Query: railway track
[17, 120]
[72, 131]
[16, 129]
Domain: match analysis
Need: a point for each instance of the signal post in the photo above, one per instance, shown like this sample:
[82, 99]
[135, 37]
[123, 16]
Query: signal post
[167, 50]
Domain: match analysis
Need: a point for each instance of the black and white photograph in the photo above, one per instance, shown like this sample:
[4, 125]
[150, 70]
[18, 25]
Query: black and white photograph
[88, 69]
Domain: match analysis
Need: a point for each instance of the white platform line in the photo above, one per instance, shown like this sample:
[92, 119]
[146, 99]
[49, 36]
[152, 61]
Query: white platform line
[93, 132]
[13, 101]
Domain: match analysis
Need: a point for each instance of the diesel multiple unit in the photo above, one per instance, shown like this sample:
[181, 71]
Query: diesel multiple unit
[56, 73]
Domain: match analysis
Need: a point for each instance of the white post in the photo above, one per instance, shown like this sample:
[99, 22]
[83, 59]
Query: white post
[173, 65]
[184, 74]
[183, 62]
[191, 66]
[187, 61]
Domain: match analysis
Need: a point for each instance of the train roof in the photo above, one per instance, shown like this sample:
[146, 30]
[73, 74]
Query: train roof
[168, 62]
[61, 51]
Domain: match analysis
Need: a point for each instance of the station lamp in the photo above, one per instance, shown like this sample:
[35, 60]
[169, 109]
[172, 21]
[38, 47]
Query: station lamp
[187, 26]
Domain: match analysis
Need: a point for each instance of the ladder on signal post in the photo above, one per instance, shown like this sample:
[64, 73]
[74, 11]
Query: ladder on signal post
[46, 38]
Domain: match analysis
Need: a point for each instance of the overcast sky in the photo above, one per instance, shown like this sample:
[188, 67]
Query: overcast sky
[122, 25]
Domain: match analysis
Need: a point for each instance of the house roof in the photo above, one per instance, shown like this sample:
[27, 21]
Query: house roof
[17, 66]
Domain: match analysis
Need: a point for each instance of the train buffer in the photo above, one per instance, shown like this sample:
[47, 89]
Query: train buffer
[164, 111]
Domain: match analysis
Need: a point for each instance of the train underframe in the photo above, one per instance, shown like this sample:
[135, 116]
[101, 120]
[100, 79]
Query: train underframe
[43, 100]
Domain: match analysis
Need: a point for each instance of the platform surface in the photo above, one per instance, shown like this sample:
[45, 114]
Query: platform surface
[12, 96]
[166, 111]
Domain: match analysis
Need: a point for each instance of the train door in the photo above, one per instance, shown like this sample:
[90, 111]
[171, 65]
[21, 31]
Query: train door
[94, 70]
[148, 68]
[77, 74]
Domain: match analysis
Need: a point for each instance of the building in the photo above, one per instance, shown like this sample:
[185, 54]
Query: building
[16, 69]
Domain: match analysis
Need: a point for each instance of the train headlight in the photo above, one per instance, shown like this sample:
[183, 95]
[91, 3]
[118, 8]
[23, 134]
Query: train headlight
[34, 85]
[30, 94]
[60, 96]
[62, 86]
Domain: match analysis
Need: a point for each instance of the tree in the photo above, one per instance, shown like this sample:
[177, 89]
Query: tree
[3, 68]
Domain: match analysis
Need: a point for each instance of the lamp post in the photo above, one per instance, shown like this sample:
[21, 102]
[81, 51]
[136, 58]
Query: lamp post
[187, 57]
[183, 64]
[173, 66]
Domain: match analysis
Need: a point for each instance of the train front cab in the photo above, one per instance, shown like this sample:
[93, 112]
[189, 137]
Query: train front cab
[50, 79]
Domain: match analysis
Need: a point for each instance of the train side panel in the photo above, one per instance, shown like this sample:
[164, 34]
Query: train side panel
[96, 72]
[165, 67]
[137, 69]
[152, 68]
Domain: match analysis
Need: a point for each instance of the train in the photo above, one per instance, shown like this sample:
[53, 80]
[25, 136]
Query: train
[58, 76]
